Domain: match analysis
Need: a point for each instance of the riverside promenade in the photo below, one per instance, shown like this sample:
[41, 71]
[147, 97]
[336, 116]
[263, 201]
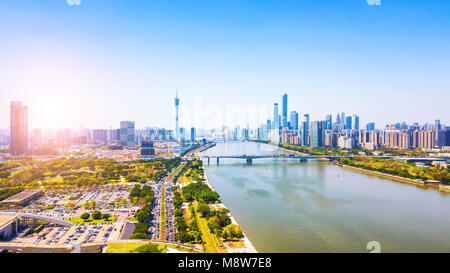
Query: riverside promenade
[249, 246]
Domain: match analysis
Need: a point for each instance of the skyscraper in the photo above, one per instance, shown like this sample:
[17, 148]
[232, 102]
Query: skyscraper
[192, 134]
[329, 121]
[284, 113]
[177, 130]
[18, 144]
[294, 120]
[355, 125]
[437, 127]
[317, 134]
[304, 133]
[182, 134]
[276, 117]
[127, 136]
[306, 116]
[348, 123]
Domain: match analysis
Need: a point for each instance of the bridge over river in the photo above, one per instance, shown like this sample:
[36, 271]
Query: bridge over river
[301, 158]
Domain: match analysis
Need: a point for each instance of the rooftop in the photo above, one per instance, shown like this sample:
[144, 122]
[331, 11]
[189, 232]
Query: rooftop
[20, 196]
[6, 219]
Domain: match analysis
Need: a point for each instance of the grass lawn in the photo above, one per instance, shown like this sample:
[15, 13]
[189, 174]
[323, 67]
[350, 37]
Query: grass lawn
[212, 244]
[185, 180]
[128, 247]
[187, 216]
[78, 220]
[54, 180]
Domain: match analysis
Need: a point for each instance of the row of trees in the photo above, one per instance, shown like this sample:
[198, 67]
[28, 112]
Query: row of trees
[187, 233]
[199, 192]
[146, 195]
[219, 223]
[96, 215]
[143, 194]
[182, 171]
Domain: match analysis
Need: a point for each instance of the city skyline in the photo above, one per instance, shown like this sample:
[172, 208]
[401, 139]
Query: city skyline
[349, 121]
[79, 61]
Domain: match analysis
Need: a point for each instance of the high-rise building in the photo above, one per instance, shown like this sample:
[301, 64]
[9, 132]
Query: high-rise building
[306, 116]
[182, 134]
[437, 127]
[338, 118]
[177, 131]
[317, 134]
[294, 120]
[342, 119]
[276, 118]
[113, 135]
[329, 120]
[346, 142]
[284, 111]
[348, 123]
[147, 148]
[100, 135]
[437, 124]
[192, 134]
[330, 139]
[355, 125]
[305, 133]
[19, 129]
[370, 126]
[127, 135]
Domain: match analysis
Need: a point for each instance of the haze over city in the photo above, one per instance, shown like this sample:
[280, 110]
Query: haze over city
[114, 60]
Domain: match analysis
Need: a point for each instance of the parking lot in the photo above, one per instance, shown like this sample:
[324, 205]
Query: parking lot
[79, 234]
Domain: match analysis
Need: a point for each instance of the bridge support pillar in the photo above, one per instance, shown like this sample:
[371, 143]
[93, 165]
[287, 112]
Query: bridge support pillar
[249, 161]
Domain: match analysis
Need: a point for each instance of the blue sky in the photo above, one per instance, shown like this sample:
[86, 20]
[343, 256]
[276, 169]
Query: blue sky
[104, 61]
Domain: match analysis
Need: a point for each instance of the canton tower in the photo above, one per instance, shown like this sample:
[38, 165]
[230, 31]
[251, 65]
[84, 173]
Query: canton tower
[177, 130]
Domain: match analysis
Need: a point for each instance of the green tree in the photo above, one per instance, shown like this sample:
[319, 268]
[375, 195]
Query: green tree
[232, 231]
[96, 215]
[203, 209]
[106, 216]
[85, 216]
[147, 248]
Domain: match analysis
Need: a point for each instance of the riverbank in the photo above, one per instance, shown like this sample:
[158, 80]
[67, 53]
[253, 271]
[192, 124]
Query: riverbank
[418, 182]
[436, 185]
[284, 149]
[249, 246]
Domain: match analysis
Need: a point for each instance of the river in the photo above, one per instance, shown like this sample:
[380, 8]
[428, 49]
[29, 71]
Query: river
[288, 206]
